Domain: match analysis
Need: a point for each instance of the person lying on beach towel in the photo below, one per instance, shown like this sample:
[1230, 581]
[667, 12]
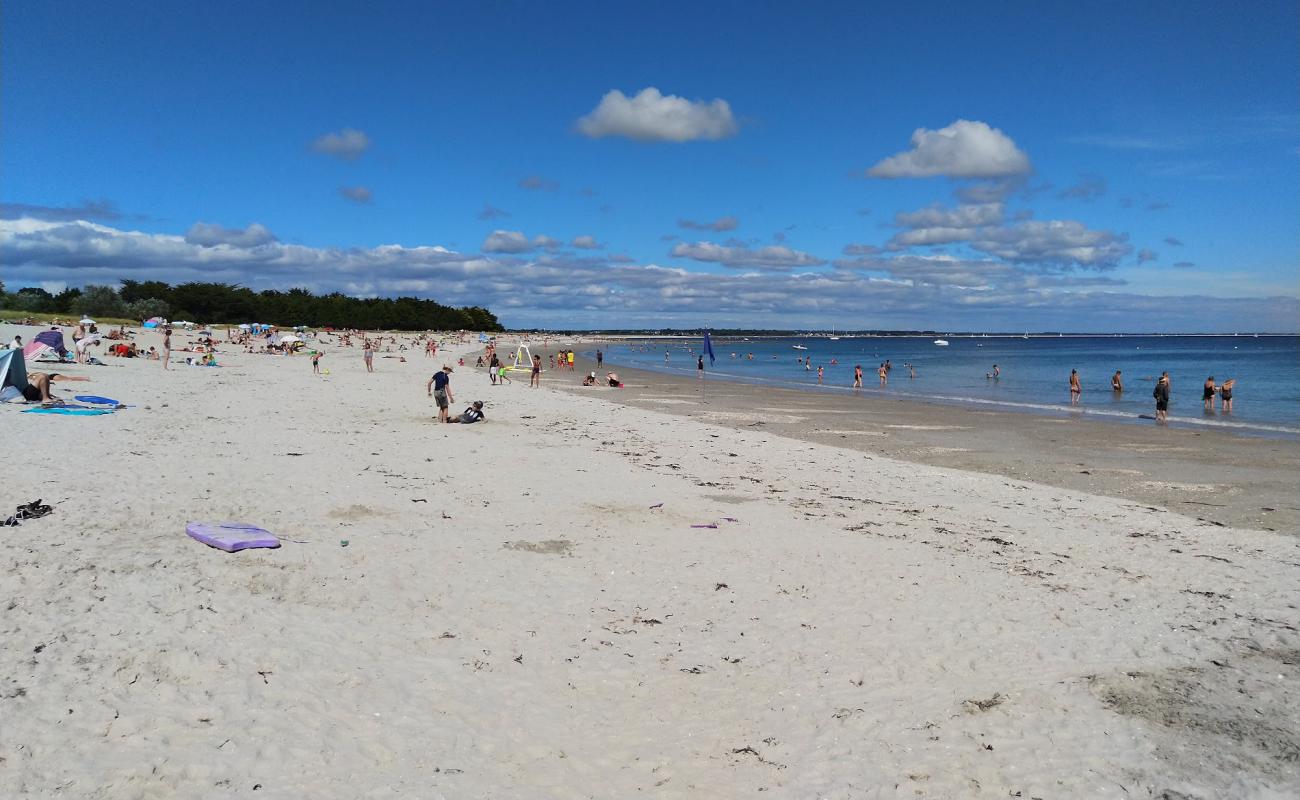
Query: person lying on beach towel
[471, 415]
[38, 386]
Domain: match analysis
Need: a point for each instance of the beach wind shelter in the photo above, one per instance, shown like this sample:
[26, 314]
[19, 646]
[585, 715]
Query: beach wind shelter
[13, 370]
[45, 344]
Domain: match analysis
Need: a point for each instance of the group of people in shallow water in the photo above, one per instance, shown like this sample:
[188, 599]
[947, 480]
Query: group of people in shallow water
[1161, 392]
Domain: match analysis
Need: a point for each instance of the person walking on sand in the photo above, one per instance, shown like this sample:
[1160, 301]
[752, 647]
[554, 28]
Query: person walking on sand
[1207, 393]
[536, 379]
[1076, 390]
[857, 376]
[1117, 383]
[1161, 394]
[439, 388]
[368, 353]
[502, 379]
[1225, 394]
[315, 361]
[167, 347]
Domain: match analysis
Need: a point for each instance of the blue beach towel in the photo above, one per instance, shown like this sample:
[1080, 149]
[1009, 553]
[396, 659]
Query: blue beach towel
[96, 400]
[69, 412]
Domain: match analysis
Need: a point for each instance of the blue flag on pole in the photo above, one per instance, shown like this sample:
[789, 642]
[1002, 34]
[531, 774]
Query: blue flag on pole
[708, 348]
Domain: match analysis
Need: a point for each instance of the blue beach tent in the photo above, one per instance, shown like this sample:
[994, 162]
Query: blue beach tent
[13, 370]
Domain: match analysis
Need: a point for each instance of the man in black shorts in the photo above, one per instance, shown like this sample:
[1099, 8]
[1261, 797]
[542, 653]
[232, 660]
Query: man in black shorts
[1161, 395]
[38, 388]
[439, 388]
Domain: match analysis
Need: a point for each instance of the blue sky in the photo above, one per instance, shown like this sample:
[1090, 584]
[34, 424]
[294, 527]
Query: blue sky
[1115, 166]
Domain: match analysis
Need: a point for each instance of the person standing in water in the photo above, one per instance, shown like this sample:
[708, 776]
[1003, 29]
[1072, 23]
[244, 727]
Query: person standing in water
[1225, 394]
[1117, 383]
[1207, 393]
[821, 371]
[883, 372]
[1076, 390]
[699, 368]
[857, 376]
[1161, 394]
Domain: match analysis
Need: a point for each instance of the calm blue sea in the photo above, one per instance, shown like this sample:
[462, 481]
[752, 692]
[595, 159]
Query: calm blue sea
[1034, 372]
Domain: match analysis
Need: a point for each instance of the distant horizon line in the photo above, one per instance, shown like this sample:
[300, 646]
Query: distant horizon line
[817, 334]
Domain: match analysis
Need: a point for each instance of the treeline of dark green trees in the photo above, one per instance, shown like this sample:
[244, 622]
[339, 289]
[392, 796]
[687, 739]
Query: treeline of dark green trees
[224, 303]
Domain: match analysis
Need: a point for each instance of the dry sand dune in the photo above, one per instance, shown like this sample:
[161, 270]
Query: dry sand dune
[526, 608]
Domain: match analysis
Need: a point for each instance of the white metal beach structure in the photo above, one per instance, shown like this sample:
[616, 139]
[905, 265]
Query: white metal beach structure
[522, 359]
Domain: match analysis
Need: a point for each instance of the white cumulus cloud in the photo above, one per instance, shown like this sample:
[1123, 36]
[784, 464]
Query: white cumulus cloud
[654, 117]
[206, 234]
[964, 149]
[563, 291]
[500, 241]
[774, 257]
[507, 242]
[357, 194]
[586, 243]
[963, 216]
[1054, 243]
[720, 224]
[347, 144]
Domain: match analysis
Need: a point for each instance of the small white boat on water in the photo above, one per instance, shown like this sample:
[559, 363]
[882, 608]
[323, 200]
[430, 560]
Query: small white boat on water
[798, 347]
[941, 342]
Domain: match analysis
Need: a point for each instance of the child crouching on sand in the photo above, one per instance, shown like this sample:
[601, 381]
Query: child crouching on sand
[470, 415]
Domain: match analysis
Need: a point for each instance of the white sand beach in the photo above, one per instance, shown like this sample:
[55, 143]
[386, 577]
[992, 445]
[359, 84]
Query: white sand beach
[528, 608]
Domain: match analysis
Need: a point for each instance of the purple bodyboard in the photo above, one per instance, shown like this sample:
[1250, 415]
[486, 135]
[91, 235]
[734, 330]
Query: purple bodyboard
[231, 536]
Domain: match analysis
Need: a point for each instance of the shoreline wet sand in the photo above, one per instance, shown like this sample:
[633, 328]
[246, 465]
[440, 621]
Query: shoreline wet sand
[1222, 477]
